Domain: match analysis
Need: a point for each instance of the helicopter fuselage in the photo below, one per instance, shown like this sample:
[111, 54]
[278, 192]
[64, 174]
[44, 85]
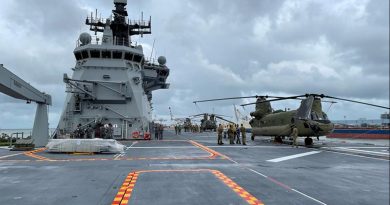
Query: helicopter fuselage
[279, 124]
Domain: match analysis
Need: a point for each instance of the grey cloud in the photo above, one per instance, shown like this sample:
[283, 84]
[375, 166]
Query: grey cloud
[218, 48]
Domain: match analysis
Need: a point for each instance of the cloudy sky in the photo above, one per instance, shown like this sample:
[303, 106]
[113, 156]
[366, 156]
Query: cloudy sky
[214, 48]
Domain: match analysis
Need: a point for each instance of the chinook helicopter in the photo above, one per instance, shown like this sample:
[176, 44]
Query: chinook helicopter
[309, 118]
[209, 121]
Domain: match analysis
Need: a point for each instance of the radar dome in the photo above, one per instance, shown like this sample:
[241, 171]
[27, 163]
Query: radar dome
[162, 60]
[85, 38]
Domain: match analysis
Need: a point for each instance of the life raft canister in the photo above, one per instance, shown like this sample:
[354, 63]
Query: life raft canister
[135, 134]
[147, 136]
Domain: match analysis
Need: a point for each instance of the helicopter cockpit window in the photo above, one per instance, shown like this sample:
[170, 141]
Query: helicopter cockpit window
[325, 116]
[314, 116]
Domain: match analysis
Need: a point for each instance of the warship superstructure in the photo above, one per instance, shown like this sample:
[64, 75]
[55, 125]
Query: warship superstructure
[112, 82]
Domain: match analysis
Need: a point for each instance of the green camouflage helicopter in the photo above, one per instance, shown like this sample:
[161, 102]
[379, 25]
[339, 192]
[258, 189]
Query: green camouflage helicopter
[309, 118]
[209, 121]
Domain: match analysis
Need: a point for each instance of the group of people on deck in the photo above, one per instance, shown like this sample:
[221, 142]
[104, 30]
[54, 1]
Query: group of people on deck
[233, 131]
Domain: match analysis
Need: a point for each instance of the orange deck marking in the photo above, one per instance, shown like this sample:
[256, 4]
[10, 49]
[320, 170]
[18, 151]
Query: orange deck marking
[33, 155]
[125, 191]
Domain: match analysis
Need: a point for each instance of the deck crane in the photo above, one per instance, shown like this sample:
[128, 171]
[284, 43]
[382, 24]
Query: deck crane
[14, 86]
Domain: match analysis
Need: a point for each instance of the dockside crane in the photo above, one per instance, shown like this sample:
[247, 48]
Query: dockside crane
[14, 86]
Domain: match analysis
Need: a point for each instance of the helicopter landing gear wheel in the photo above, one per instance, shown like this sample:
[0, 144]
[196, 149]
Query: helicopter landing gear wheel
[308, 141]
[278, 139]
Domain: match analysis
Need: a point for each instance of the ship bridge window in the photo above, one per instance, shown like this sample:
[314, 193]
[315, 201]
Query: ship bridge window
[85, 54]
[106, 54]
[138, 58]
[128, 56]
[163, 73]
[117, 55]
[78, 56]
[95, 54]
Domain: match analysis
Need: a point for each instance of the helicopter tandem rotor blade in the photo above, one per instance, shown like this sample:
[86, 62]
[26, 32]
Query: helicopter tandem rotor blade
[220, 99]
[224, 119]
[355, 101]
[277, 99]
[234, 98]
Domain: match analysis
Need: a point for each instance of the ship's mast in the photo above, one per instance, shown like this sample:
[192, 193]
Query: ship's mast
[121, 28]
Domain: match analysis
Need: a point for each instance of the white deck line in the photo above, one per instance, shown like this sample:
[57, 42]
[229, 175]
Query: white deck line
[11, 155]
[179, 147]
[294, 190]
[293, 156]
[362, 151]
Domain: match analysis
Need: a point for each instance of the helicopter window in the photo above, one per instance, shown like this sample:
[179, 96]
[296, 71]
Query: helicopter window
[78, 56]
[85, 54]
[106, 54]
[314, 116]
[128, 56]
[325, 116]
[117, 55]
[95, 54]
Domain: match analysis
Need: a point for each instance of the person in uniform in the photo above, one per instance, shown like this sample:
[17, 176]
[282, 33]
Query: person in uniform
[156, 131]
[110, 131]
[243, 134]
[220, 130]
[89, 132]
[161, 132]
[179, 128]
[238, 141]
[78, 132]
[231, 134]
[234, 131]
[294, 134]
[225, 132]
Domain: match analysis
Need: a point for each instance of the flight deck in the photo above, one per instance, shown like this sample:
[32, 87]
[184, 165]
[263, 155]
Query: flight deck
[192, 169]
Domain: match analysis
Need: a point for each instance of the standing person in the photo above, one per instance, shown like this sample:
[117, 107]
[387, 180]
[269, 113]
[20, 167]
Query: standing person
[179, 128]
[234, 132]
[238, 141]
[110, 131]
[231, 134]
[225, 132]
[89, 132]
[243, 134]
[156, 131]
[294, 134]
[220, 130]
[161, 131]
[78, 131]
[176, 129]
